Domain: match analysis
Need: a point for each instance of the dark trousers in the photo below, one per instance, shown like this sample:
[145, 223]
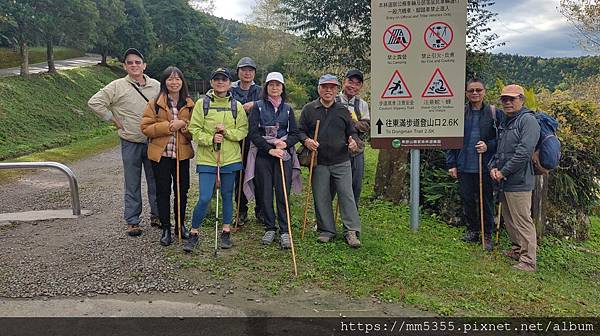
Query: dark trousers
[268, 179]
[243, 204]
[165, 174]
[469, 194]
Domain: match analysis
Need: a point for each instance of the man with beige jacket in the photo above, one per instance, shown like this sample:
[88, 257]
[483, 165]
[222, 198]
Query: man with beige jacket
[122, 102]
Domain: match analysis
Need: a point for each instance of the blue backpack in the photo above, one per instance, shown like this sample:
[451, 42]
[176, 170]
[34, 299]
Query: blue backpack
[547, 151]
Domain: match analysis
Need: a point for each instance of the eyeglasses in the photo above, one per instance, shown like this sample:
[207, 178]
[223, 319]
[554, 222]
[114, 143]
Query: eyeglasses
[475, 90]
[136, 62]
[506, 99]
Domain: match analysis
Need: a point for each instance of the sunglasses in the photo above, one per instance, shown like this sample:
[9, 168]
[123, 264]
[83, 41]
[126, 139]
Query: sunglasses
[137, 62]
[475, 90]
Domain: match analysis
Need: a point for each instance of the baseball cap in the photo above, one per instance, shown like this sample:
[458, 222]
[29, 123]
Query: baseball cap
[133, 51]
[355, 73]
[276, 76]
[513, 90]
[328, 79]
[246, 62]
[221, 71]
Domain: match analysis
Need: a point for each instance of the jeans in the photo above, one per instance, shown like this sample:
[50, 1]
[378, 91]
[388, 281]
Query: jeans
[206, 187]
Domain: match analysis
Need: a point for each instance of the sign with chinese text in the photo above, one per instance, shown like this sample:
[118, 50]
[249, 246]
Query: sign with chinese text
[418, 73]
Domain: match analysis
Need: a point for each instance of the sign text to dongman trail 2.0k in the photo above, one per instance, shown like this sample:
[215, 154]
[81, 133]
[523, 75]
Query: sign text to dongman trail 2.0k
[418, 73]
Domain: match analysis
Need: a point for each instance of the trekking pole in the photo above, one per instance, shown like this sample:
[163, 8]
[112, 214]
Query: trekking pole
[239, 196]
[217, 188]
[178, 187]
[310, 172]
[498, 222]
[481, 200]
[287, 212]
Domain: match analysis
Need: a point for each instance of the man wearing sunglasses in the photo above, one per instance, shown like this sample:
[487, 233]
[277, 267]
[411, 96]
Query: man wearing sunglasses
[513, 169]
[122, 102]
[463, 164]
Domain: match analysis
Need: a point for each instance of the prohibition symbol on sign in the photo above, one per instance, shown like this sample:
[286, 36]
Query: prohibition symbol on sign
[438, 36]
[396, 38]
[396, 88]
[437, 86]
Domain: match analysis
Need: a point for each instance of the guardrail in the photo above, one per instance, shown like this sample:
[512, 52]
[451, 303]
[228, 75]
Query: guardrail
[70, 175]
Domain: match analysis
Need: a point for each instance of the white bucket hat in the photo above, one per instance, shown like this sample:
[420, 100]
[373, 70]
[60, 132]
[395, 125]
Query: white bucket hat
[276, 76]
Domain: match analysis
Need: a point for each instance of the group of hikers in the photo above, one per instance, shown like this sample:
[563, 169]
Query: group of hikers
[246, 136]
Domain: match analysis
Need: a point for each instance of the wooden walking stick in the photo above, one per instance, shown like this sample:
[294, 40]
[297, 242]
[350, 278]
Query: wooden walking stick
[239, 197]
[178, 187]
[287, 212]
[481, 199]
[310, 172]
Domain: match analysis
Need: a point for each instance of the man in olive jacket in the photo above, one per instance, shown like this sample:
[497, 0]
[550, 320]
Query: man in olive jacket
[512, 168]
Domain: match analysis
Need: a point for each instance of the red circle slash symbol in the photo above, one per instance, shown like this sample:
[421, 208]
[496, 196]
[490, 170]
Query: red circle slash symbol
[397, 38]
[438, 36]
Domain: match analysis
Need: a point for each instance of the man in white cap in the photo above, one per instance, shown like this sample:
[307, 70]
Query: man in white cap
[512, 168]
[337, 138]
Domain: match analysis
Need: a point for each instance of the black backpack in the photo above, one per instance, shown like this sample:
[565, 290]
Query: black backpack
[233, 108]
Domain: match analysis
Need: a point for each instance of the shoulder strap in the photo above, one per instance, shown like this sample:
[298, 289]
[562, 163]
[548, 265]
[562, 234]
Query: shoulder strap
[139, 91]
[234, 109]
[156, 107]
[357, 108]
[493, 111]
[205, 105]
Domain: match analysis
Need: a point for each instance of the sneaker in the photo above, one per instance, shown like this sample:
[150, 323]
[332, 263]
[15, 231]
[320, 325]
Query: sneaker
[191, 243]
[472, 237]
[352, 239]
[268, 237]
[226, 242]
[242, 217]
[324, 239]
[284, 241]
[155, 221]
[522, 266]
[512, 254]
[133, 230]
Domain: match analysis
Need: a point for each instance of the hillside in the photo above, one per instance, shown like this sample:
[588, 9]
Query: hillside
[50, 110]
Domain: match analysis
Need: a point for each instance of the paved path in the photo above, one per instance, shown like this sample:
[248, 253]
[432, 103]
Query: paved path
[87, 60]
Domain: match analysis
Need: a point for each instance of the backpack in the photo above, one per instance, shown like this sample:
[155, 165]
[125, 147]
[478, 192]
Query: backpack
[547, 151]
[232, 108]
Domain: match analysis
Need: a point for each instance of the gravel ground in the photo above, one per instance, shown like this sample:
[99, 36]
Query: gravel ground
[80, 257]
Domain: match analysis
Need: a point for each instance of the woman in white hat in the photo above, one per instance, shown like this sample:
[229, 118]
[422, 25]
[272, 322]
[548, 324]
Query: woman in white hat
[273, 133]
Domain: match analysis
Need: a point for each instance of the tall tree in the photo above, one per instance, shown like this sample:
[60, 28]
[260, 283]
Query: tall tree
[19, 17]
[206, 6]
[107, 39]
[585, 17]
[137, 31]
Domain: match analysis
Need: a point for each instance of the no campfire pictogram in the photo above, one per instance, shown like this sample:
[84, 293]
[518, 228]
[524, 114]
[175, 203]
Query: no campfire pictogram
[437, 87]
[438, 36]
[397, 38]
[396, 88]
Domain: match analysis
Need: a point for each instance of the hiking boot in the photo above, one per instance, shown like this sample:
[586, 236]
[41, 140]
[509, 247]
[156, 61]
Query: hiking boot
[284, 241]
[268, 237]
[523, 266]
[133, 230]
[155, 221]
[185, 234]
[472, 237]
[165, 238]
[191, 243]
[352, 239]
[512, 254]
[226, 242]
[324, 239]
[242, 218]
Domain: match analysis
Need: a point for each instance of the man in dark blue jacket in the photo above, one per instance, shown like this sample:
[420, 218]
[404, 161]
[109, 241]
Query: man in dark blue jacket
[463, 164]
[513, 169]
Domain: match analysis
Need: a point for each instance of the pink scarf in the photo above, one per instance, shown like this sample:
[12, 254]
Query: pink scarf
[276, 101]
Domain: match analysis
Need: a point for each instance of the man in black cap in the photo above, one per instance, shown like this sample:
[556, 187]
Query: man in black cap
[246, 91]
[122, 102]
[359, 112]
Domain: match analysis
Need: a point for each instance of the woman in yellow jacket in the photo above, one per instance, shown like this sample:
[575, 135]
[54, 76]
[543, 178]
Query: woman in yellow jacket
[218, 124]
[165, 121]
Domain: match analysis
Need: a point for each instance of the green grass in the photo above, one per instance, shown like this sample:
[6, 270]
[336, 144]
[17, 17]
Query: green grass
[48, 111]
[10, 59]
[431, 269]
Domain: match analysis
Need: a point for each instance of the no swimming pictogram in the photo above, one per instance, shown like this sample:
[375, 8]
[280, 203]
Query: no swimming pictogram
[438, 36]
[437, 86]
[397, 38]
[396, 88]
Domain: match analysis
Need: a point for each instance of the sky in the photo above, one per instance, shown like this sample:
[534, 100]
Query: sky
[529, 27]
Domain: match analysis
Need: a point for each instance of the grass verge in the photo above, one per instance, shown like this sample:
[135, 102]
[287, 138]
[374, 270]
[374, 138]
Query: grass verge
[431, 269]
[10, 59]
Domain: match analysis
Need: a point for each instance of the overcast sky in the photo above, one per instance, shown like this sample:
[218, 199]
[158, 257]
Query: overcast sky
[529, 27]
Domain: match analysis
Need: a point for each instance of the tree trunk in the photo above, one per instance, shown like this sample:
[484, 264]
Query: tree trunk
[50, 56]
[24, 58]
[391, 179]
[539, 204]
[104, 58]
